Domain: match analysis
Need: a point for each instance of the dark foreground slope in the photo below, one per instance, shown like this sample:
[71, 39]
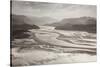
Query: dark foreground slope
[19, 27]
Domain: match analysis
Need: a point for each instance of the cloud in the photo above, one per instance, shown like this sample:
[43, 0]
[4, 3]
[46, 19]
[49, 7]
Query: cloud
[55, 10]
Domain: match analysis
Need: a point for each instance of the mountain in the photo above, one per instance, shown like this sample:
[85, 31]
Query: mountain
[80, 24]
[35, 20]
[19, 26]
[40, 20]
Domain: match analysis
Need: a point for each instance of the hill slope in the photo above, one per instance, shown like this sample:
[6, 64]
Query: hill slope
[19, 26]
[80, 24]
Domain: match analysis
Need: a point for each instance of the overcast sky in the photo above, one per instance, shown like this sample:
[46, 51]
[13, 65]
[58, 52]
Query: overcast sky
[54, 10]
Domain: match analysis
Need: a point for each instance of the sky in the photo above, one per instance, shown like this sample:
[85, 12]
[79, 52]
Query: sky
[54, 10]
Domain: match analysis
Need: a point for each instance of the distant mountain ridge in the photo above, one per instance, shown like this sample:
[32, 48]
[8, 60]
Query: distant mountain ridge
[37, 20]
[41, 20]
[81, 24]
